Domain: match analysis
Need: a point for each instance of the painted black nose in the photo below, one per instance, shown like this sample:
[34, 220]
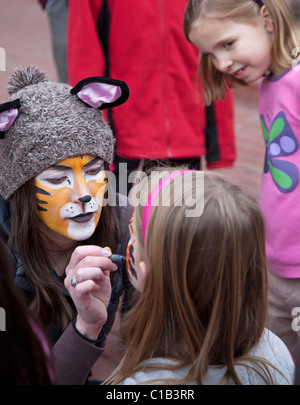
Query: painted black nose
[85, 199]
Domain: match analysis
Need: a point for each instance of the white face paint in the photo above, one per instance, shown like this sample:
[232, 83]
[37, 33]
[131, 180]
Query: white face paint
[70, 194]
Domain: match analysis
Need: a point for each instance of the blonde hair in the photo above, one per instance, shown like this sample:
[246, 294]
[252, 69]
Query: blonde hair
[197, 267]
[285, 37]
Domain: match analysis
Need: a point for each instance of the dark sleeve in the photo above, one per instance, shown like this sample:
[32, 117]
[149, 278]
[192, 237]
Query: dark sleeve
[74, 357]
[6, 253]
[220, 134]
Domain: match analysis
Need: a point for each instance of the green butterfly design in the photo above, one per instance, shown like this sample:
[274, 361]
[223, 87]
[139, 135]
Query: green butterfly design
[280, 141]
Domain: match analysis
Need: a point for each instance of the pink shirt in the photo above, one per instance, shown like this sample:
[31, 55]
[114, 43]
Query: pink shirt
[279, 109]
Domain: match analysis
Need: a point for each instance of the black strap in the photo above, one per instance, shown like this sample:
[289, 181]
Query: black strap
[211, 135]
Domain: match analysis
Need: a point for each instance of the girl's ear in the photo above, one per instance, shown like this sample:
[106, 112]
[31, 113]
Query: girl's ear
[264, 13]
[101, 92]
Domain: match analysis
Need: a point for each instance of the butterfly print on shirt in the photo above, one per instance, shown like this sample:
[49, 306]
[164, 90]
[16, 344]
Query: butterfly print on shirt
[280, 141]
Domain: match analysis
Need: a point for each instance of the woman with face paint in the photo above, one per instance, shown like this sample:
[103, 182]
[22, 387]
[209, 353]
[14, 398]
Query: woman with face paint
[59, 214]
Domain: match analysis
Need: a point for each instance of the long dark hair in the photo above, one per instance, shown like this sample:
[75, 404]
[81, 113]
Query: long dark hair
[48, 303]
[24, 351]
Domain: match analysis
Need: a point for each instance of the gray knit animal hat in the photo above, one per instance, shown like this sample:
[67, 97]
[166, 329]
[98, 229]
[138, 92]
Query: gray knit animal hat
[45, 122]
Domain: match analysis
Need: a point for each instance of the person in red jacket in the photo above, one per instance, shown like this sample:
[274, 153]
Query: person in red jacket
[143, 43]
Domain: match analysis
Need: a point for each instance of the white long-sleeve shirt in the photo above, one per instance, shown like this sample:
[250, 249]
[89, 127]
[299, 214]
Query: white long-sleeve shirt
[270, 348]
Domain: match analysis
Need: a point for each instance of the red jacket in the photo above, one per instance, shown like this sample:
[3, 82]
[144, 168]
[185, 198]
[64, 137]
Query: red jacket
[164, 117]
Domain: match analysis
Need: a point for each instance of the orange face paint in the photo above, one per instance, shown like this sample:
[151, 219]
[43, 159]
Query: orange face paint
[130, 263]
[70, 195]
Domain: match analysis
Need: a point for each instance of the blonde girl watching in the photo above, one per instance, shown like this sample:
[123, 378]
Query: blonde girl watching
[202, 280]
[242, 41]
[270, 49]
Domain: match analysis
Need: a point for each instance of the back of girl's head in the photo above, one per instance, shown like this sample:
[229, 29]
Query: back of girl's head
[285, 36]
[205, 291]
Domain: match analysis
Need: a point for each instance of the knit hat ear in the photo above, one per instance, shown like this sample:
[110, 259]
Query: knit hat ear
[101, 92]
[53, 123]
[8, 114]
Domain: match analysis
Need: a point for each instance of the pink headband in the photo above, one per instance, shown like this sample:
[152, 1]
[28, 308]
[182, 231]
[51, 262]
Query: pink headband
[154, 193]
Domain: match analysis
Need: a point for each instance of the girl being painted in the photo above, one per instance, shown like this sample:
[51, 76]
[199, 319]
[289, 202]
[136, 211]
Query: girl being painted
[55, 152]
[202, 275]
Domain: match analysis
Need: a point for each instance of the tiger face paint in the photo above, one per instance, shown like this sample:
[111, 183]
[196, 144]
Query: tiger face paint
[70, 195]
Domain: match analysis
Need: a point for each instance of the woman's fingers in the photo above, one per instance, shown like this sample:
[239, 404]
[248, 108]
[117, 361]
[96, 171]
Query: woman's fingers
[88, 282]
[90, 256]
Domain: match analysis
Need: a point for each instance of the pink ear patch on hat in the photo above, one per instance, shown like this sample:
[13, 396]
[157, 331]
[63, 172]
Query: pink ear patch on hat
[96, 94]
[7, 118]
[8, 114]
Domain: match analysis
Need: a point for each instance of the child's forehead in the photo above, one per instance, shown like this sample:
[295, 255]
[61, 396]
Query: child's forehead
[205, 33]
